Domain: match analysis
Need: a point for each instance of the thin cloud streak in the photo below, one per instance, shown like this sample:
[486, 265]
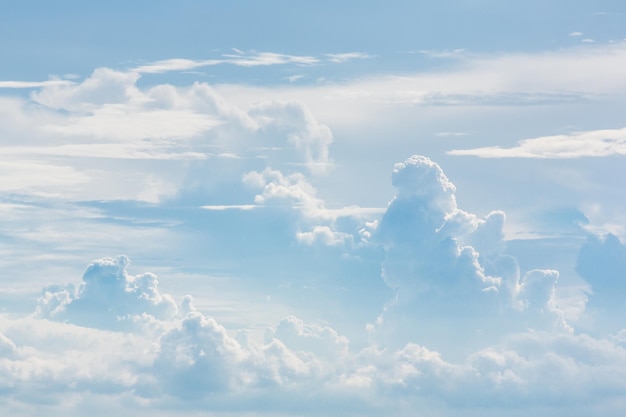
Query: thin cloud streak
[243, 59]
[596, 143]
[33, 84]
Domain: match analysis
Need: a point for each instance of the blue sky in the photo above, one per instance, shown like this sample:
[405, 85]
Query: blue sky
[272, 208]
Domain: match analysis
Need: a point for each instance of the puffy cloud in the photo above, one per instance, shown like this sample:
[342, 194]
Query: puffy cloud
[196, 362]
[539, 368]
[325, 235]
[198, 357]
[294, 121]
[449, 267]
[323, 341]
[104, 87]
[108, 297]
[422, 253]
[315, 222]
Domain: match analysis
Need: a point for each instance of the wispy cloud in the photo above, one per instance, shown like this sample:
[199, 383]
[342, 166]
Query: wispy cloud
[348, 56]
[593, 143]
[245, 59]
[175, 64]
[222, 207]
[34, 84]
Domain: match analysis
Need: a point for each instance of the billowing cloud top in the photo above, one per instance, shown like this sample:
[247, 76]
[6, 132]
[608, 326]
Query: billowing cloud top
[108, 297]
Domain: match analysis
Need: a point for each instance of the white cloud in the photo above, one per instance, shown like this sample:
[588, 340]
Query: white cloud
[594, 143]
[34, 84]
[574, 74]
[325, 235]
[196, 362]
[108, 118]
[323, 341]
[108, 297]
[443, 262]
[197, 358]
[347, 56]
[37, 178]
[104, 86]
[174, 64]
[240, 58]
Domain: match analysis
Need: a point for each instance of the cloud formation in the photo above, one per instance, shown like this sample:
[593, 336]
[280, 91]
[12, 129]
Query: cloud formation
[162, 138]
[595, 143]
[108, 297]
[447, 265]
[244, 59]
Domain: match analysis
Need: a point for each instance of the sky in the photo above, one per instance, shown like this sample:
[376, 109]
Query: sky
[321, 208]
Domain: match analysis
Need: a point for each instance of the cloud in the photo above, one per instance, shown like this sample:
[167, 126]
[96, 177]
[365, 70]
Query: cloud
[83, 128]
[414, 227]
[294, 121]
[198, 357]
[7, 347]
[447, 265]
[108, 297]
[244, 59]
[577, 74]
[594, 143]
[322, 341]
[174, 64]
[196, 363]
[240, 58]
[347, 56]
[34, 84]
[325, 235]
[104, 86]
[314, 222]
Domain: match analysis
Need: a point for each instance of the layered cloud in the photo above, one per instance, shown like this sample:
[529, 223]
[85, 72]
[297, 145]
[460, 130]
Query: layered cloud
[596, 143]
[160, 138]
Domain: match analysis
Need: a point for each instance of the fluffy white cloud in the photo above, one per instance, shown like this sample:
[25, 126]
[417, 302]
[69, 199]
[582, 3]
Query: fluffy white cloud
[108, 138]
[323, 341]
[197, 362]
[422, 250]
[325, 235]
[198, 357]
[108, 297]
[446, 265]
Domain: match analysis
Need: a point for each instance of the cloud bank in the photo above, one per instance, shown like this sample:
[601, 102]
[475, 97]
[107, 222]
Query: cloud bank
[116, 335]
